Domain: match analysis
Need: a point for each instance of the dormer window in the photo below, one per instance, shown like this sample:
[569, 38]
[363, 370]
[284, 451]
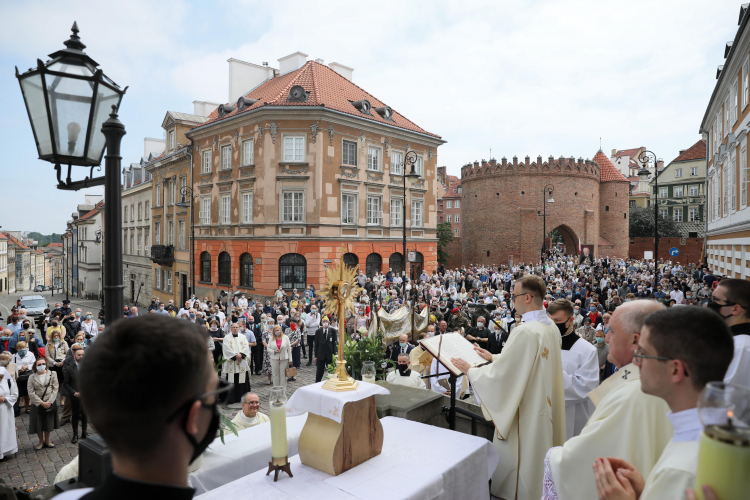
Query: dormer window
[363, 106]
[171, 140]
[385, 112]
[297, 94]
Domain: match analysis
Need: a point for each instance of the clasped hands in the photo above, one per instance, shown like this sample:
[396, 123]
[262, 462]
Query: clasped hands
[464, 366]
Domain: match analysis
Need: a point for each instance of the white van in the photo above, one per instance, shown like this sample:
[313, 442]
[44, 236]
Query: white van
[34, 305]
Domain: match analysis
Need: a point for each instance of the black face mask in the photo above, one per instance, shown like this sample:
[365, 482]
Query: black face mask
[402, 369]
[200, 447]
[716, 308]
[563, 329]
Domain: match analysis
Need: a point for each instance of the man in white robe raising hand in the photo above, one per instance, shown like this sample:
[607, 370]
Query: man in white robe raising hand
[522, 393]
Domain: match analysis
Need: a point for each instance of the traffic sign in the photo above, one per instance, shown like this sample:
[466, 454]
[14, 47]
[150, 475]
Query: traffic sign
[674, 251]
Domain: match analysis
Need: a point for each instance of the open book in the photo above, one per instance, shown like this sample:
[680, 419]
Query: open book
[454, 345]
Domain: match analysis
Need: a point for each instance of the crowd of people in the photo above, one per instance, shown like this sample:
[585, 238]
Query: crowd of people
[598, 306]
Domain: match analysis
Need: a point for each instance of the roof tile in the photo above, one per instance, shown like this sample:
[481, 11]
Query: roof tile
[695, 152]
[609, 171]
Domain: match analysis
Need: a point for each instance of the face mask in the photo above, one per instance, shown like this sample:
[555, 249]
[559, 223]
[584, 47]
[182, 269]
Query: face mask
[77, 314]
[716, 308]
[561, 326]
[4, 338]
[4, 362]
[403, 344]
[600, 340]
[576, 311]
[688, 296]
[22, 316]
[41, 368]
[592, 309]
[88, 316]
[627, 300]
[200, 447]
[22, 352]
[325, 325]
[213, 328]
[402, 369]
[507, 315]
[480, 326]
[22, 339]
[192, 316]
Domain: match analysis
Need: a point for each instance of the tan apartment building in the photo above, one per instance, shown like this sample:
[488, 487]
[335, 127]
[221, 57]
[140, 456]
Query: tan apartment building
[170, 172]
[725, 126]
[3, 264]
[300, 161]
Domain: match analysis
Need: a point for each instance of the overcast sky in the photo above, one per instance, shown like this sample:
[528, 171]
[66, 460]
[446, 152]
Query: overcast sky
[545, 77]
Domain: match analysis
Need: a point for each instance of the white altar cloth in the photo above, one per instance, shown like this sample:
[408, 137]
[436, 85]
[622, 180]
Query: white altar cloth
[433, 463]
[314, 399]
[241, 455]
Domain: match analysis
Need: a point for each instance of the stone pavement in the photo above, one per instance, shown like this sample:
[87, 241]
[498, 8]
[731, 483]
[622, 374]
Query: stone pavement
[33, 469]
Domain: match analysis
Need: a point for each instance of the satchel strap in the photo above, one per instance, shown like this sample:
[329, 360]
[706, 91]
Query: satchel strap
[48, 383]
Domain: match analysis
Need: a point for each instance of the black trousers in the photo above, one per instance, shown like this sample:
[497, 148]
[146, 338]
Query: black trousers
[78, 410]
[321, 370]
[302, 346]
[256, 355]
[311, 348]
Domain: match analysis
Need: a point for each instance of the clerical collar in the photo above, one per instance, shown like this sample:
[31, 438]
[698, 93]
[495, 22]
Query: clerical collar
[568, 340]
[740, 329]
[687, 426]
[539, 315]
[248, 420]
[116, 487]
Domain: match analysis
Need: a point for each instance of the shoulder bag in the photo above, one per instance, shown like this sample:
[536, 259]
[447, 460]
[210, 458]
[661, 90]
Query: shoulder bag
[53, 407]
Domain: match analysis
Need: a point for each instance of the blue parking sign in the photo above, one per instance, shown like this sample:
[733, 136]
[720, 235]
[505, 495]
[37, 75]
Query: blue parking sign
[674, 251]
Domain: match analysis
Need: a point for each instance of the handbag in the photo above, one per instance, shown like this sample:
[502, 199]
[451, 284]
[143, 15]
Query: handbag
[290, 372]
[53, 407]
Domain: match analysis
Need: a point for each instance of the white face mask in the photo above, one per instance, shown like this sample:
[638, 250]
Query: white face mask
[4, 362]
[41, 368]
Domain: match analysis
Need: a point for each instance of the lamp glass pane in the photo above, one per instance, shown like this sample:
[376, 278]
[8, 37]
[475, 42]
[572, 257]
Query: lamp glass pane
[106, 97]
[70, 104]
[34, 94]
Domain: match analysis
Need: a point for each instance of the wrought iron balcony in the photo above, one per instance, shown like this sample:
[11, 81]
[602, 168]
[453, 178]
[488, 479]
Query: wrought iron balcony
[162, 254]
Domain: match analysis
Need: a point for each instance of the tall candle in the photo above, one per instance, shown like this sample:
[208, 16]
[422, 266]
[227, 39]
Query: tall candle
[368, 378]
[724, 467]
[278, 431]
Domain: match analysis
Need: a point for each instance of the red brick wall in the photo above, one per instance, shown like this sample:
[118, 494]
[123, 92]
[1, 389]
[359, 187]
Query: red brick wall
[613, 223]
[455, 254]
[690, 252]
[501, 201]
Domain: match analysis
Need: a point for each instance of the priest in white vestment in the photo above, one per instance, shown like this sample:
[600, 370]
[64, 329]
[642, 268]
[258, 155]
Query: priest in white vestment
[522, 393]
[249, 415]
[8, 397]
[236, 352]
[679, 352]
[580, 362]
[626, 423]
[403, 375]
[731, 300]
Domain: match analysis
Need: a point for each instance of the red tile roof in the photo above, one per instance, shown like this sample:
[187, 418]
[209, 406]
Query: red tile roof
[452, 190]
[55, 245]
[695, 152]
[91, 213]
[16, 242]
[326, 89]
[609, 171]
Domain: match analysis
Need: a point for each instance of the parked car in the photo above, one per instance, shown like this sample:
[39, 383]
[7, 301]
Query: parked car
[46, 288]
[34, 305]
[39, 288]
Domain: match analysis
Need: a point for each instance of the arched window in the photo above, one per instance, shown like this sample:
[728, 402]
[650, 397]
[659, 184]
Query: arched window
[351, 259]
[246, 270]
[225, 269]
[396, 263]
[206, 267]
[292, 271]
[373, 264]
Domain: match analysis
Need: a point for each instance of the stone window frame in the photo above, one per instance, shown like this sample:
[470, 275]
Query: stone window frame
[353, 142]
[207, 166]
[225, 153]
[284, 138]
[399, 200]
[244, 150]
[242, 194]
[379, 166]
[289, 190]
[355, 218]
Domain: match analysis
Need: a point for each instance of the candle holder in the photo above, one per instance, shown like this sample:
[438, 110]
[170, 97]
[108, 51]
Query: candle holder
[277, 465]
[368, 372]
[279, 451]
[724, 455]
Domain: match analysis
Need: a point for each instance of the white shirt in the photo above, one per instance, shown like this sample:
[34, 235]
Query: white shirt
[687, 426]
[539, 315]
[677, 295]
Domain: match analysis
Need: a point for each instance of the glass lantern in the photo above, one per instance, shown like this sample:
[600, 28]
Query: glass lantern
[68, 99]
[277, 405]
[724, 456]
[368, 372]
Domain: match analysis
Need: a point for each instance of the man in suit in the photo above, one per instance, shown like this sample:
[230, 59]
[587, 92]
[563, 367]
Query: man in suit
[403, 345]
[497, 338]
[71, 386]
[325, 347]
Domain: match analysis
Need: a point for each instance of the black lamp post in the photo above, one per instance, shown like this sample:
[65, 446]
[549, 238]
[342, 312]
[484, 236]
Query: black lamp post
[97, 242]
[70, 102]
[410, 159]
[645, 158]
[549, 188]
[187, 194]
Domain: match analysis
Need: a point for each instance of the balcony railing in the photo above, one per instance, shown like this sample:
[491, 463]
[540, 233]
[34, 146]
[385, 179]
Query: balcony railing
[162, 254]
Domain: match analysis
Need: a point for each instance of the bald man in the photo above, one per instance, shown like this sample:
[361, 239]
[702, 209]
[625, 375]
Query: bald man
[250, 415]
[626, 423]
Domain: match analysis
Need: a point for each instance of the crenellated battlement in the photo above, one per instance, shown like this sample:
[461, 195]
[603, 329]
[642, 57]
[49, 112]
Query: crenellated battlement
[561, 165]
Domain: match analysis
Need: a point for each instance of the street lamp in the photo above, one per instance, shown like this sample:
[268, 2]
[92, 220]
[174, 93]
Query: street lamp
[68, 99]
[410, 158]
[97, 242]
[187, 194]
[549, 188]
[645, 158]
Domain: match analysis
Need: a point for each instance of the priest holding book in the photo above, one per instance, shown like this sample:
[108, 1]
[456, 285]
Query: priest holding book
[522, 393]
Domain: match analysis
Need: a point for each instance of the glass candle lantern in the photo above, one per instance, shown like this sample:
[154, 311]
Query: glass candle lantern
[368, 372]
[277, 404]
[724, 456]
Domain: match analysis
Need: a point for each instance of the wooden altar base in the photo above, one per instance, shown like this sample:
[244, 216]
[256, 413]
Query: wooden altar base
[334, 447]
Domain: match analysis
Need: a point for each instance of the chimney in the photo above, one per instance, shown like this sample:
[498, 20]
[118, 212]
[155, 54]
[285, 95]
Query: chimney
[291, 62]
[659, 165]
[204, 108]
[342, 70]
[244, 77]
[614, 152]
[155, 146]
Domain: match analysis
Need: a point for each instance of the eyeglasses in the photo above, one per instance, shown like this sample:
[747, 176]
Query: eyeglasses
[252, 403]
[638, 356]
[726, 303]
[221, 393]
[519, 294]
